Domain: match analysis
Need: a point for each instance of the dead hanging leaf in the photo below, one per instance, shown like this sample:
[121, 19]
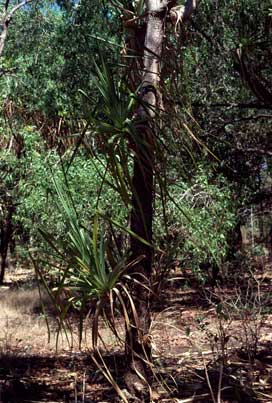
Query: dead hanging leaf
[176, 15]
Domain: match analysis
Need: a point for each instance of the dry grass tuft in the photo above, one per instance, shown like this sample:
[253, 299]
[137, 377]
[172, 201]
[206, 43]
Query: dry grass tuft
[22, 301]
[22, 323]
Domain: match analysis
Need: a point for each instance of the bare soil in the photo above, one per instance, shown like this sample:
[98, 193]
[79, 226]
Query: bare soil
[189, 337]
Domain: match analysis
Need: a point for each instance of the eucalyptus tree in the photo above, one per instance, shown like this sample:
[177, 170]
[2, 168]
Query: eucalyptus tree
[9, 8]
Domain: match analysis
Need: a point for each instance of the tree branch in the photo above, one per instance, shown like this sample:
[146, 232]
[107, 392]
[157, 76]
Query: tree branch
[182, 13]
[6, 18]
[17, 7]
[189, 8]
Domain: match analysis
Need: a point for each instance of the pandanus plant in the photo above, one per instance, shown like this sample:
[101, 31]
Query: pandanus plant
[90, 278]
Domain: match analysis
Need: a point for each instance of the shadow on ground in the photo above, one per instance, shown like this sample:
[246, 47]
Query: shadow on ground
[65, 378]
[72, 377]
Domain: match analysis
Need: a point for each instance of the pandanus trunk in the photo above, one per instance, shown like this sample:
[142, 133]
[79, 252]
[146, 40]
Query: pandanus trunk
[143, 187]
[157, 12]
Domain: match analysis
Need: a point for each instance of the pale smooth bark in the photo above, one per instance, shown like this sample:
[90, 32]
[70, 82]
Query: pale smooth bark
[158, 11]
[6, 19]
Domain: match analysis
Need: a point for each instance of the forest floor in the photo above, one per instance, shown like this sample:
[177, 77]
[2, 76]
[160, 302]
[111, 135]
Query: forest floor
[192, 327]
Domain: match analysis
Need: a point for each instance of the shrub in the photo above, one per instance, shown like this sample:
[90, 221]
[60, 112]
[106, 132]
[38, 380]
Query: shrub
[200, 215]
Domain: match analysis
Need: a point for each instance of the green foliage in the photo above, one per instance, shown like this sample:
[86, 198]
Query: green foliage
[49, 56]
[52, 52]
[220, 99]
[113, 126]
[85, 270]
[36, 201]
[52, 58]
[88, 278]
[200, 215]
[38, 67]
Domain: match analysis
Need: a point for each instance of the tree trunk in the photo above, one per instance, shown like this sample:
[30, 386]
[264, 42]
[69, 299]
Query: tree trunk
[138, 343]
[6, 235]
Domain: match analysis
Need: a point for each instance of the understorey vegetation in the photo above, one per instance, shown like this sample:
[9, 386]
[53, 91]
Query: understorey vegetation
[135, 201]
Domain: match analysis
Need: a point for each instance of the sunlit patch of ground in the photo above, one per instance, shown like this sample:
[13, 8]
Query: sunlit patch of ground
[27, 315]
[22, 323]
